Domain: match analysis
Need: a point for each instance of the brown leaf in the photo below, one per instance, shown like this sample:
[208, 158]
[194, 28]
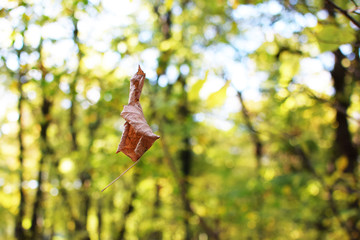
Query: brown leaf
[138, 136]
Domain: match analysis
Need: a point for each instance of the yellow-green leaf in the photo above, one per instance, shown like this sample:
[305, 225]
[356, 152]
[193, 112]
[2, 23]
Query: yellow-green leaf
[218, 98]
[330, 37]
[196, 87]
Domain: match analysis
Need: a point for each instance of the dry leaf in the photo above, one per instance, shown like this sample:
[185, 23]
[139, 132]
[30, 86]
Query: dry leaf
[138, 136]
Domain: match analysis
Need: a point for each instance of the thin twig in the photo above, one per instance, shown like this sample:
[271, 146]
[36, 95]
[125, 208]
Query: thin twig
[253, 133]
[343, 12]
[333, 105]
[354, 10]
[120, 175]
[354, 3]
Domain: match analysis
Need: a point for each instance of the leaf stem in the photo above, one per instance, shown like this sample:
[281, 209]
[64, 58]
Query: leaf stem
[120, 175]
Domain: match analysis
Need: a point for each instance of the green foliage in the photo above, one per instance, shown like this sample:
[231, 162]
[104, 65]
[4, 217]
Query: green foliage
[330, 37]
[260, 158]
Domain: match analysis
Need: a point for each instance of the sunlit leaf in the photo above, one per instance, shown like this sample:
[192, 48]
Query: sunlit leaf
[330, 37]
[217, 98]
[195, 89]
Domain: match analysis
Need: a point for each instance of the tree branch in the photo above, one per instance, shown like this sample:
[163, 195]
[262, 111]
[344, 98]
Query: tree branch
[354, 3]
[354, 10]
[254, 134]
[258, 146]
[343, 12]
[336, 106]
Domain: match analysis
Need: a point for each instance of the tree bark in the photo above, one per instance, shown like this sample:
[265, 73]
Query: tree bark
[99, 217]
[19, 230]
[156, 233]
[258, 152]
[37, 216]
[343, 141]
[343, 145]
[128, 210]
[72, 117]
[258, 145]
[185, 154]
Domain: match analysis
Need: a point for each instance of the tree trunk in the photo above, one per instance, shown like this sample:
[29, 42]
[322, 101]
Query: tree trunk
[343, 145]
[19, 230]
[128, 210]
[37, 216]
[99, 217]
[185, 154]
[156, 233]
[258, 152]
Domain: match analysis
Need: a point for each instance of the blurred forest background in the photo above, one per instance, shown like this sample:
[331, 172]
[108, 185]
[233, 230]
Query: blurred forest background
[257, 104]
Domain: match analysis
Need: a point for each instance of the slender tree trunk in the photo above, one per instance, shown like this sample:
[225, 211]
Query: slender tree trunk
[67, 203]
[72, 117]
[85, 178]
[156, 232]
[343, 145]
[185, 154]
[37, 216]
[128, 210]
[343, 142]
[99, 217]
[19, 230]
[258, 152]
[37, 219]
[258, 145]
